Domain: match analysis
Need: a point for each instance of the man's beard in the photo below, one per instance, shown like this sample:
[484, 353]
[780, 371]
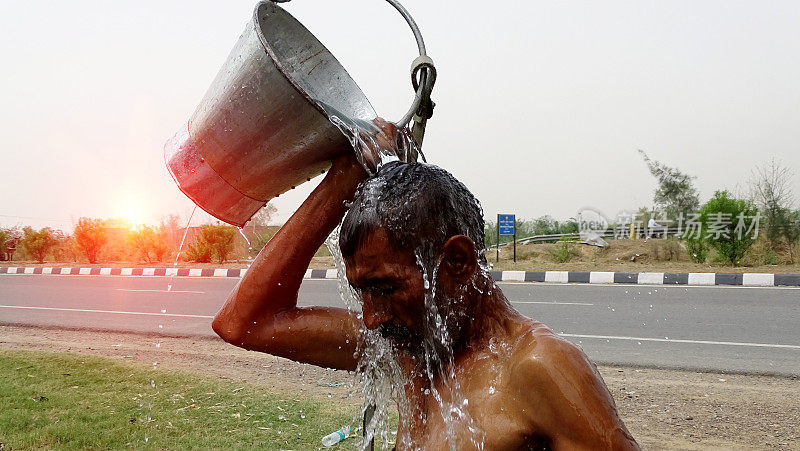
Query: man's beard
[397, 333]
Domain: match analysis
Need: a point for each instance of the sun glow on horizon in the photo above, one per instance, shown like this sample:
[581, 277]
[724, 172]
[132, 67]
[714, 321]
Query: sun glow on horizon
[133, 210]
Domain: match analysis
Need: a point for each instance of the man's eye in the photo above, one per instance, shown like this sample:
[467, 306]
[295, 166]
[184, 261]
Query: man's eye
[384, 290]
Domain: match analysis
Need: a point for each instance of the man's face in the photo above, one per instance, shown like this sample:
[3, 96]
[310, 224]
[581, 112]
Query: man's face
[391, 286]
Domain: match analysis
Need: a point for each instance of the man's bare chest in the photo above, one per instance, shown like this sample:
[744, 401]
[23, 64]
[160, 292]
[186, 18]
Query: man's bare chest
[482, 407]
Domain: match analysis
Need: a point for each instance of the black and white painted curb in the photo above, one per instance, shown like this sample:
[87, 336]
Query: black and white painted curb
[178, 272]
[651, 278]
[593, 277]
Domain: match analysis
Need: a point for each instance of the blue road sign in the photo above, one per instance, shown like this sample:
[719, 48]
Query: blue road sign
[506, 224]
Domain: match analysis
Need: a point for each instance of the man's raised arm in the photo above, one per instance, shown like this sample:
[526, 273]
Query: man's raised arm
[261, 313]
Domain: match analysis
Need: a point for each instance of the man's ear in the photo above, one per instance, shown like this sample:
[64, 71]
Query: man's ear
[460, 258]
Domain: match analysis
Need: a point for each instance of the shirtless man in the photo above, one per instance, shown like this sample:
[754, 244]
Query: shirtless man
[526, 387]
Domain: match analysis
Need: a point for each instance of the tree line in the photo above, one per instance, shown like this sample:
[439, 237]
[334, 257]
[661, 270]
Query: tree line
[96, 240]
[766, 208]
[712, 230]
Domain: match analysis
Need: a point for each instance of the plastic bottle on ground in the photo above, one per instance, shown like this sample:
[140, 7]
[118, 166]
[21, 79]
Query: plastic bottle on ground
[336, 437]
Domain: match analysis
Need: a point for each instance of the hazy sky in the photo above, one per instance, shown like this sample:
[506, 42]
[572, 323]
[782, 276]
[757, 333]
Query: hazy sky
[541, 106]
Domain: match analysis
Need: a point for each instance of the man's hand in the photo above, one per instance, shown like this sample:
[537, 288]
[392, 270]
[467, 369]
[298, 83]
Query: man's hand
[380, 145]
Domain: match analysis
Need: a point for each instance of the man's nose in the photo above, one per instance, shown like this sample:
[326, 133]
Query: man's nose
[375, 313]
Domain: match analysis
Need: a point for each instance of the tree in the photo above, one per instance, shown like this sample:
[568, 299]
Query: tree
[261, 239]
[90, 235]
[199, 252]
[698, 249]
[675, 193]
[792, 234]
[38, 243]
[259, 229]
[8, 242]
[214, 239]
[729, 225]
[263, 216]
[170, 225]
[770, 188]
[148, 243]
[66, 249]
[5, 237]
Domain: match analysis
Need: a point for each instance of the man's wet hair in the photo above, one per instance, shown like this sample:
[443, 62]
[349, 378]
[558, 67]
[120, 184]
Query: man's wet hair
[421, 206]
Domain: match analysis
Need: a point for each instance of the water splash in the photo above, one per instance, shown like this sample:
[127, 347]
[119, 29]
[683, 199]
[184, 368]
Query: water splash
[378, 373]
[174, 271]
[373, 148]
[440, 320]
[249, 246]
[385, 378]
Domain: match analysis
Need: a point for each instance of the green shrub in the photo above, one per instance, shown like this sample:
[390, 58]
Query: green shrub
[792, 234]
[199, 252]
[148, 243]
[697, 250]
[213, 240]
[565, 251]
[770, 258]
[726, 225]
[38, 243]
[259, 241]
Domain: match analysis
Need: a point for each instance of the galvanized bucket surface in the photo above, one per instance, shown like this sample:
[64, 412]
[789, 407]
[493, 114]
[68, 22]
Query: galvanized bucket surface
[259, 130]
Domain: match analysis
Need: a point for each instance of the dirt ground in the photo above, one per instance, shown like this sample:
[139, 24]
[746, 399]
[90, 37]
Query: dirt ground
[664, 409]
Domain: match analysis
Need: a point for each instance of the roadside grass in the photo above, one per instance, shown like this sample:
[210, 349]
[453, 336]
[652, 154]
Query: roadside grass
[653, 255]
[68, 401]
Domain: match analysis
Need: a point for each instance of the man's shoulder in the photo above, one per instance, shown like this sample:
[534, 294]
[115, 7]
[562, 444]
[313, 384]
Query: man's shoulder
[555, 379]
[539, 353]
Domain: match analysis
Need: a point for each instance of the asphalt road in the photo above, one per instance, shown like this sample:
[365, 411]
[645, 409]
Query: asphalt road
[732, 329]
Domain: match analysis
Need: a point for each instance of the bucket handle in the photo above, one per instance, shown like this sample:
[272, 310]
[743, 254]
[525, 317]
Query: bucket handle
[423, 77]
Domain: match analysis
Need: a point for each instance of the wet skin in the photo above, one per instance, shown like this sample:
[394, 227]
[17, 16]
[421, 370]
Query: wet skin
[527, 388]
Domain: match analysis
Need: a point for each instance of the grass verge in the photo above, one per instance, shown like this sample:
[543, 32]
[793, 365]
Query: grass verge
[68, 401]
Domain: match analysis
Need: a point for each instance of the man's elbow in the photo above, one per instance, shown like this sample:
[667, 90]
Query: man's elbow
[226, 330]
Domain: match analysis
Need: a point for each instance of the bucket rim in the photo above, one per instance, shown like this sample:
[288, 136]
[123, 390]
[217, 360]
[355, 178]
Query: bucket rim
[213, 177]
[282, 69]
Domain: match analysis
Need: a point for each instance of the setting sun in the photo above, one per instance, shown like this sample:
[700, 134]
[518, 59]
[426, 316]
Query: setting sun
[134, 211]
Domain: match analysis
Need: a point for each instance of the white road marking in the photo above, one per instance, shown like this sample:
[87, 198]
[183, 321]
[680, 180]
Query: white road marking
[105, 311]
[161, 291]
[550, 303]
[672, 340]
[599, 337]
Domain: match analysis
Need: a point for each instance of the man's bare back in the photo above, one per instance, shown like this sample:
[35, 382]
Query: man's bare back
[525, 387]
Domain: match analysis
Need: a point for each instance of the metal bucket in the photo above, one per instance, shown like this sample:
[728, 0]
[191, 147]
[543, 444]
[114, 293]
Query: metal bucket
[259, 130]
